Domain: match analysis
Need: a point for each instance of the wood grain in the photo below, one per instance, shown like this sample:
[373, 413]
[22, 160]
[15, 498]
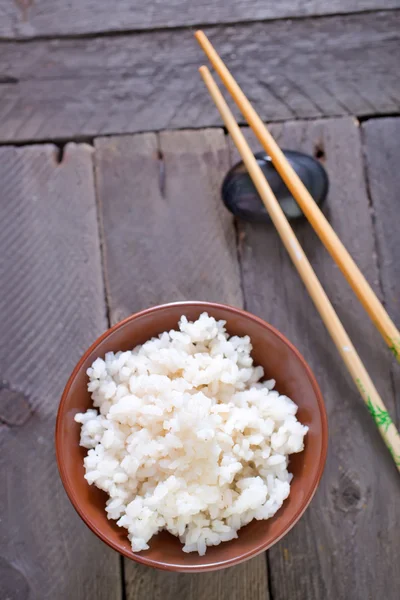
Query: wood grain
[382, 153]
[244, 582]
[23, 19]
[307, 68]
[344, 545]
[168, 237]
[52, 307]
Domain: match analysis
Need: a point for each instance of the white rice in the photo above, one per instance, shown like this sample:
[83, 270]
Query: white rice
[186, 438]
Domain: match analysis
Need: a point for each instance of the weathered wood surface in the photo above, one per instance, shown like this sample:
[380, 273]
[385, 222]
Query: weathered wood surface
[344, 546]
[166, 237]
[52, 307]
[23, 19]
[244, 582]
[307, 68]
[382, 154]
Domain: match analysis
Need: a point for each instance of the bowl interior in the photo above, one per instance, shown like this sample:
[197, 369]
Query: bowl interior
[281, 361]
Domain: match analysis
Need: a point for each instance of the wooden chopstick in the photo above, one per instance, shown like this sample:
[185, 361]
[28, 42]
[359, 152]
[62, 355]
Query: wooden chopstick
[332, 322]
[322, 227]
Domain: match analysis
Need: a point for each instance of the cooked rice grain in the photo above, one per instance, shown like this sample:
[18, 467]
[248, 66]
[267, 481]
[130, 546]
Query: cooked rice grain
[186, 438]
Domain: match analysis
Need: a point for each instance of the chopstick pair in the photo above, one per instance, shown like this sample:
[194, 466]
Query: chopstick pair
[327, 235]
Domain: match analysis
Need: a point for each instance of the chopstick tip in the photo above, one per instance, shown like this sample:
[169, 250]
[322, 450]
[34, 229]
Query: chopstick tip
[198, 34]
[204, 71]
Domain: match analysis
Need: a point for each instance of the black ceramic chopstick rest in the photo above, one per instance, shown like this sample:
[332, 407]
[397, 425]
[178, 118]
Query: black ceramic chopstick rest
[241, 197]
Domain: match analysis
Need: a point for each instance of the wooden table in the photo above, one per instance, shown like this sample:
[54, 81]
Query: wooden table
[98, 220]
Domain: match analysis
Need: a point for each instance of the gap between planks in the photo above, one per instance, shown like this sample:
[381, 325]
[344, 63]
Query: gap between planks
[61, 142]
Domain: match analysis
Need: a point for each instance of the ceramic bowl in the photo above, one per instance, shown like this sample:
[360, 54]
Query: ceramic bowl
[281, 361]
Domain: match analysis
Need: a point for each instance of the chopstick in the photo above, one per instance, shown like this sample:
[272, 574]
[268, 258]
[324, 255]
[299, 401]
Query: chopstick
[332, 322]
[322, 227]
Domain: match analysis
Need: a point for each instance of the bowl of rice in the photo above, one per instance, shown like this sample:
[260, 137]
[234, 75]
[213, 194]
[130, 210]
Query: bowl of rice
[191, 436]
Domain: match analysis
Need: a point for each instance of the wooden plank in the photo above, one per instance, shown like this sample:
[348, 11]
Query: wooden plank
[382, 154]
[348, 528]
[168, 237]
[156, 195]
[52, 307]
[304, 68]
[22, 20]
[244, 582]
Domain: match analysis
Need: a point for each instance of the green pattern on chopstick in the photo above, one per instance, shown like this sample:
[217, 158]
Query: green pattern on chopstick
[361, 387]
[395, 348]
[380, 416]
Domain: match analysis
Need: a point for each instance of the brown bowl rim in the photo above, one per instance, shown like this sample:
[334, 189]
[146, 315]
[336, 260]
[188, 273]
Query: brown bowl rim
[68, 485]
